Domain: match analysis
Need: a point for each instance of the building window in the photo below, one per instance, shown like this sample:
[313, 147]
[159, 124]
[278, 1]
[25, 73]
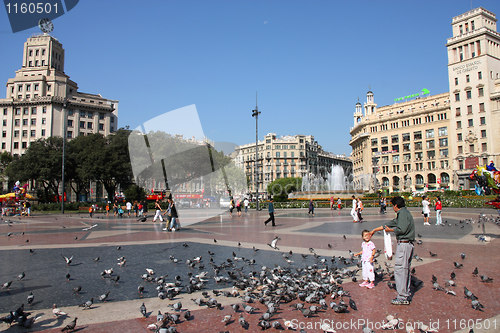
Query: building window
[482, 121]
[468, 94]
[395, 148]
[395, 138]
[82, 124]
[49, 87]
[69, 134]
[459, 137]
[33, 110]
[374, 142]
[484, 146]
[469, 109]
[5, 111]
[480, 92]
[70, 123]
[430, 144]
[4, 134]
[25, 133]
[443, 142]
[406, 137]
[17, 122]
[459, 124]
[483, 133]
[479, 75]
[417, 135]
[33, 133]
[33, 121]
[443, 131]
[418, 145]
[444, 165]
[456, 81]
[457, 97]
[16, 145]
[431, 154]
[457, 112]
[4, 122]
[89, 126]
[44, 121]
[395, 158]
[25, 111]
[19, 88]
[3, 145]
[481, 107]
[471, 122]
[406, 147]
[471, 148]
[44, 109]
[28, 87]
[460, 149]
[277, 154]
[25, 122]
[43, 132]
[429, 133]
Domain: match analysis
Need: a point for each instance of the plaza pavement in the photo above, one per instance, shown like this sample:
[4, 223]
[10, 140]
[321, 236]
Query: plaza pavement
[145, 245]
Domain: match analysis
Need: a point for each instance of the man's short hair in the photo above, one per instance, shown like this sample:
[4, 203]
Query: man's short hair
[398, 201]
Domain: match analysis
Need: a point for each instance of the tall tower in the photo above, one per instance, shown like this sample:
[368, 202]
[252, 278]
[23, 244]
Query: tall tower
[370, 105]
[473, 68]
[358, 113]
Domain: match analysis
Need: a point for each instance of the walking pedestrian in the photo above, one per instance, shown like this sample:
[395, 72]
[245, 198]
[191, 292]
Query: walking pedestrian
[270, 209]
[360, 209]
[238, 207]
[107, 208]
[115, 208]
[426, 211]
[403, 227]
[129, 207]
[354, 210]
[231, 206]
[339, 204]
[438, 208]
[331, 203]
[311, 207]
[158, 211]
[173, 216]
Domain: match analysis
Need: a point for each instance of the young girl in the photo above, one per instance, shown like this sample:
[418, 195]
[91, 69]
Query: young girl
[367, 253]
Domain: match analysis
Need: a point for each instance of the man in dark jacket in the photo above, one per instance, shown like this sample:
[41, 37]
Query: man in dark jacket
[270, 208]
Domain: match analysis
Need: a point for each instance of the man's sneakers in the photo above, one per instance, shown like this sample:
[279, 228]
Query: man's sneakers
[364, 284]
[400, 301]
[427, 223]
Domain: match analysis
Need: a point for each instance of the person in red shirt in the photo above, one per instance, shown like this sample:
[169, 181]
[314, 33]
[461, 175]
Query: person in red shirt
[439, 207]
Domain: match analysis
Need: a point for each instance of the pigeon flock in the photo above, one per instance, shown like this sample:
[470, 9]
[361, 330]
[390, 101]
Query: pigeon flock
[309, 284]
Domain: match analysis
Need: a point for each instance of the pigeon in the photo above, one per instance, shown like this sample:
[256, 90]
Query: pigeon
[475, 272]
[432, 254]
[226, 319]
[57, 312]
[476, 305]
[68, 276]
[150, 271]
[352, 304]
[462, 255]
[70, 327]
[6, 285]
[235, 307]
[77, 290]
[31, 298]
[215, 240]
[140, 289]
[88, 304]
[187, 315]
[277, 325]
[452, 275]
[118, 248]
[264, 324]
[469, 294]
[177, 306]
[143, 310]
[274, 242]
[96, 259]
[243, 322]
[68, 260]
[115, 278]
[457, 265]
[21, 276]
[104, 296]
[486, 278]
[330, 246]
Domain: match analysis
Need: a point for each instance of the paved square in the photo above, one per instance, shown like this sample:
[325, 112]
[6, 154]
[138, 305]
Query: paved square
[233, 252]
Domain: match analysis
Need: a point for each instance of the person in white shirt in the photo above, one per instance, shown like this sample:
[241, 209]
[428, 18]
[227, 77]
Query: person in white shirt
[426, 210]
[246, 202]
[129, 207]
[354, 210]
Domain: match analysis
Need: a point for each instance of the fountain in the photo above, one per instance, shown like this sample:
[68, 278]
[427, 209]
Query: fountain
[336, 182]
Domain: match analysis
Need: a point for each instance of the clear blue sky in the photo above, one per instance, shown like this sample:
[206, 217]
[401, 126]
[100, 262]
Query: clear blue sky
[308, 60]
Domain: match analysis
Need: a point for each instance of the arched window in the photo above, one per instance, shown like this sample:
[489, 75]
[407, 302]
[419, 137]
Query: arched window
[445, 178]
[431, 178]
[395, 181]
[385, 181]
[419, 180]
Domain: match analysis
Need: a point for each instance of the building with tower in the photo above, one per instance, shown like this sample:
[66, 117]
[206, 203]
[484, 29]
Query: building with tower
[38, 94]
[435, 142]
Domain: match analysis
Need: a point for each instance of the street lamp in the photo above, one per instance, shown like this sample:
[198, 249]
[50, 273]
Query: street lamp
[64, 106]
[255, 113]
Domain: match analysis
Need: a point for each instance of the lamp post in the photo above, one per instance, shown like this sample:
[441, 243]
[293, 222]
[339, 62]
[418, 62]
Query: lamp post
[255, 113]
[64, 106]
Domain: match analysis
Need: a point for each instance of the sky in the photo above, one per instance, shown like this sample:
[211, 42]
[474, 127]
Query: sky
[308, 61]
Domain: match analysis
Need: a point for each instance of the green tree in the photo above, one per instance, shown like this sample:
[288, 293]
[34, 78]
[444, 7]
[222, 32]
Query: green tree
[41, 162]
[280, 188]
[135, 193]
